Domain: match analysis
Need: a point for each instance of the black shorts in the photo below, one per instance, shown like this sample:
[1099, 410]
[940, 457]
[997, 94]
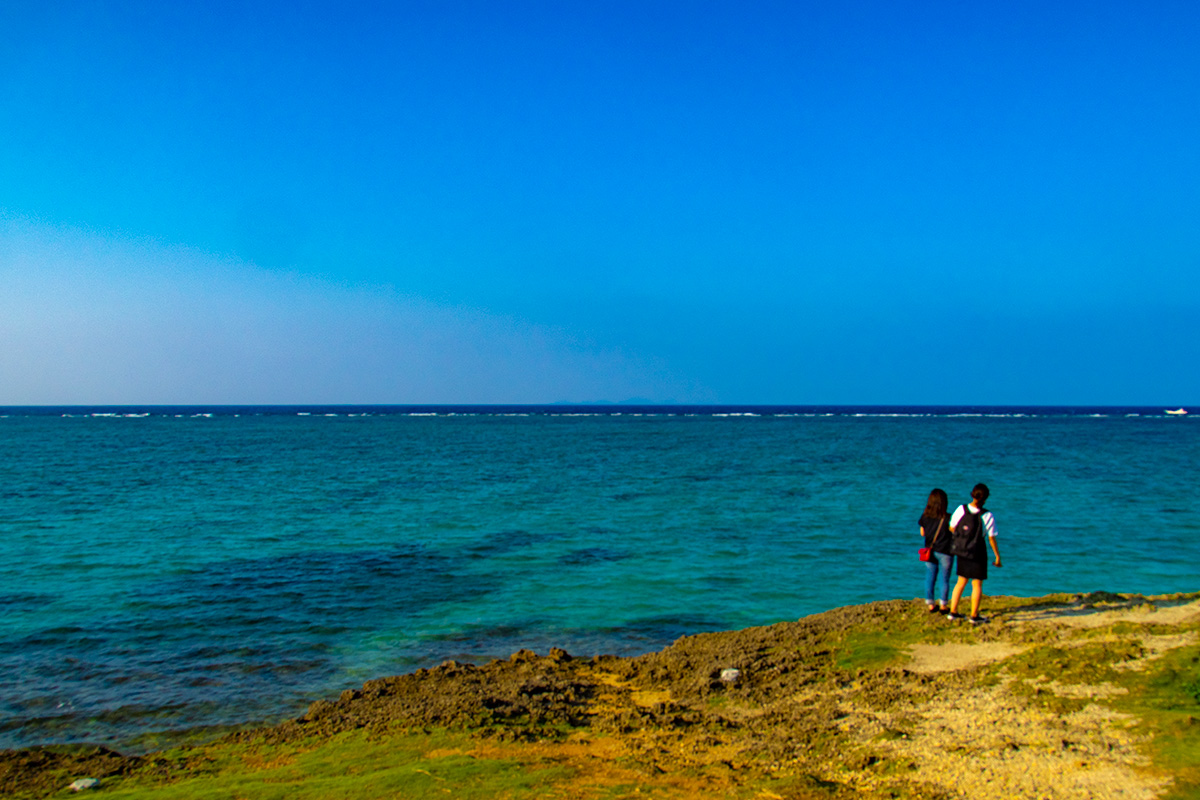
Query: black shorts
[972, 570]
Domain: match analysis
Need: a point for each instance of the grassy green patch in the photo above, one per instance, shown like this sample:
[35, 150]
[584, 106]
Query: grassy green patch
[868, 650]
[1166, 697]
[1087, 663]
[884, 641]
[1047, 699]
[350, 765]
[717, 702]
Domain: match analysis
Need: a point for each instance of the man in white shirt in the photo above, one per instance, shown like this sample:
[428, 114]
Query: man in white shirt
[972, 562]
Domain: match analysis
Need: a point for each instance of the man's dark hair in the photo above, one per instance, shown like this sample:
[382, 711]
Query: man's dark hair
[980, 493]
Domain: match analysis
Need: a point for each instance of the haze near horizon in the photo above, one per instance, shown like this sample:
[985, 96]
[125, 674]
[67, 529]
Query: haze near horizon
[465, 202]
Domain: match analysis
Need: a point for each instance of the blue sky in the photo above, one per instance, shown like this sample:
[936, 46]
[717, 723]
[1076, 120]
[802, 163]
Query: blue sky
[872, 202]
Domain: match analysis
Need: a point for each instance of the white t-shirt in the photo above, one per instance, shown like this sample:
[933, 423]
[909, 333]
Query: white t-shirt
[989, 521]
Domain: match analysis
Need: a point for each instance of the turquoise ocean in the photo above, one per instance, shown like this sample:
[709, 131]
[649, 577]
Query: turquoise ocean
[176, 568]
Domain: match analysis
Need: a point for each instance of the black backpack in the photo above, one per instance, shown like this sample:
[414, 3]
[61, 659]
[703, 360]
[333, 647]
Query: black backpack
[967, 536]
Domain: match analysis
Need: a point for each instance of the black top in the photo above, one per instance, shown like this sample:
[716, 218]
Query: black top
[971, 531]
[930, 526]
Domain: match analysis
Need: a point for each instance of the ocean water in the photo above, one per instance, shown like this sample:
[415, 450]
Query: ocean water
[169, 568]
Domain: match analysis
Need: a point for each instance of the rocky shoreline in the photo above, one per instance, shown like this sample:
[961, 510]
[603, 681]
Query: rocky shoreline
[1060, 696]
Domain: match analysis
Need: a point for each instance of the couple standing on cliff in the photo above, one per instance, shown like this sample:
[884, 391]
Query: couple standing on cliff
[961, 534]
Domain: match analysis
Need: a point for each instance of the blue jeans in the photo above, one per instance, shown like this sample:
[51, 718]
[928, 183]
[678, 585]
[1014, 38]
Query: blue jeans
[938, 568]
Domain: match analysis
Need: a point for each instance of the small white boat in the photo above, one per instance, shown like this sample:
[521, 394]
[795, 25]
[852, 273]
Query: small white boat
[1179, 412]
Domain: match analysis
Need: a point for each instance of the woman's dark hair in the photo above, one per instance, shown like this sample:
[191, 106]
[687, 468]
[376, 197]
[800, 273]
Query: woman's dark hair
[935, 507]
[980, 493]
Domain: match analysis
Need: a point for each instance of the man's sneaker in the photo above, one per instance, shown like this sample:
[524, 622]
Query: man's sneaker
[954, 617]
[978, 620]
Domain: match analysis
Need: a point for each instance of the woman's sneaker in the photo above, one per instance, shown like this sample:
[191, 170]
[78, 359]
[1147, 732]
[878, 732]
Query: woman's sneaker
[978, 620]
[954, 617]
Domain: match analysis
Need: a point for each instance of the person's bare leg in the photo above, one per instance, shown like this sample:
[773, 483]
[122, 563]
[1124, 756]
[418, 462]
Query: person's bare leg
[956, 595]
[976, 596]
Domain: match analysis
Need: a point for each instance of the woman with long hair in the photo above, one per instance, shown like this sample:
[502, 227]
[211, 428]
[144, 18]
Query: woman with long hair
[935, 530]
